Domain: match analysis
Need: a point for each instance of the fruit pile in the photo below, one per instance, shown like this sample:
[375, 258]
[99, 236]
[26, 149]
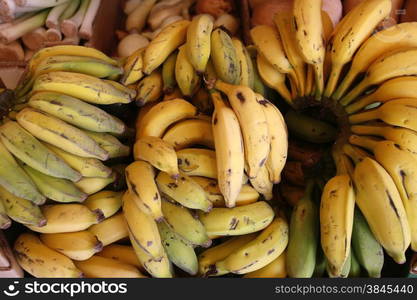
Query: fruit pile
[223, 181]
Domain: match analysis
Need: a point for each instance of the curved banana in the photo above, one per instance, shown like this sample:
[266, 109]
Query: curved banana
[164, 44]
[262, 183]
[246, 75]
[5, 221]
[168, 73]
[102, 267]
[42, 262]
[197, 162]
[191, 132]
[261, 251]
[186, 76]
[111, 229]
[76, 112]
[123, 253]
[92, 185]
[198, 41]
[83, 87]
[162, 115]
[348, 36]
[109, 202]
[237, 220]
[79, 245]
[143, 228]
[253, 124]
[149, 89]
[398, 36]
[109, 143]
[158, 153]
[28, 149]
[62, 218]
[275, 269]
[182, 222]
[21, 210]
[133, 68]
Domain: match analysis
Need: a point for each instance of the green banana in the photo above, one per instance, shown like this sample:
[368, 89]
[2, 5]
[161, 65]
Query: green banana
[5, 221]
[355, 268]
[168, 73]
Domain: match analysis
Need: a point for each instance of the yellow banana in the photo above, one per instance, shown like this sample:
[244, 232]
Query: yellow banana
[133, 68]
[164, 44]
[238, 220]
[275, 269]
[197, 162]
[28, 149]
[5, 221]
[109, 143]
[92, 185]
[162, 115]
[143, 228]
[111, 229]
[109, 202]
[198, 41]
[246, 75]
[79, 245]
[184, 191]
[140, 179]
[262, 183]
[102, 267]
[183, 223]
[348, 36]
[122, 253]
[149, 89]
[158, 153]
[62, 218]
[168, 74]
[185, 75]
[191, 132]
[41, 261]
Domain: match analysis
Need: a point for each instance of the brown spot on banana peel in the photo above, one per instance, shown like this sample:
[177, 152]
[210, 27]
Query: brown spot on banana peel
[99, 215]
[98, 247]
[403, 175]
[391, 203]
[233, 223]
[245, 267]
[241, 98]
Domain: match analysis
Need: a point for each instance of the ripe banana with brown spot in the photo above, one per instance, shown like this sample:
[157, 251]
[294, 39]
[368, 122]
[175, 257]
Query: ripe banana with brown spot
[197, 162]
[111, 229]
[109, 202]
[149, 89]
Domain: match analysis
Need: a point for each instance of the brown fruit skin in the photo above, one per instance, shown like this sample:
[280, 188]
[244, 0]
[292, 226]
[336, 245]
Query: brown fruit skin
[409, 11]
[216, 8]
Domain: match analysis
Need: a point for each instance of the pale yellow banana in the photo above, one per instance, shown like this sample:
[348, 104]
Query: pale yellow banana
[111, 230]
[198, 41]
[197, 162]
[149, 89]
[186, 76]
[246, 75]
[123, 253]
[109, 143]
[92, 185]
[133, 68]
[262, 183]
[109, 202]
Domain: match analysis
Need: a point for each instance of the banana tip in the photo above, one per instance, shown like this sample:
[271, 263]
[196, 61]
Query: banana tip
[100, 215]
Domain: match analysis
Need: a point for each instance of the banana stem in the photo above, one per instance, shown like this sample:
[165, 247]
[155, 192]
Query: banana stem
[363, 117]
[367, 130]
[355, 93]
[217, 99]
[363, 142]
[318, 71]
[309, 189]
[345, 84]
[223, 86]
[333, 79]
[354, 153]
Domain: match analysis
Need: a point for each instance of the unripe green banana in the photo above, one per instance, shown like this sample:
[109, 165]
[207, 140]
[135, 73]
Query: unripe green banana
[5, 221]
[168, 73]
[186, 76]
[303, 239]
[355, 268]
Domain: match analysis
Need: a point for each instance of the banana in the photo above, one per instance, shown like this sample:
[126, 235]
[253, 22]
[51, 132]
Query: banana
[367, 250]
[102, 267]
[303, 238]
[111, 229]
[198, 41]
[185, 75]
[349, 35]
[57, 189]
[397, 63]
[309, 129]
[308, 27]
[76, 112]
[283, 23]
[345, 269]
[158, 268]
[401, 87]
[336, 219]
[405, 138]
[279, 139]
[381, 204]
[149, 89]
[21, 210]
[140, 179]
[79, 245]
[273, 78]
[262, 183]
[259, 252]
[398, 36]
[398, 112]
[179, 253]
[109, 143]
[109, 202]
[158, 153]
[130, 90]
[197, 162]
[143, 228]
[5, 221]
[246, 75]
[253, 123]
[28, 149]
[258, 85]
[60, 134]
[184, 191]
[162, 115]
[229, 152]
[81, 86]
[15, 180]
[169, 39]
[400, 165]
[207, 259]
[41, 261]
[247, 194]
[92, 185]
[168, 73]
[191, 132]
[133, 68]
[121, 253]
[237, 220]
[139, 119]
[61, 218]
[275, 269]
[182, 222]
[355, 268]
